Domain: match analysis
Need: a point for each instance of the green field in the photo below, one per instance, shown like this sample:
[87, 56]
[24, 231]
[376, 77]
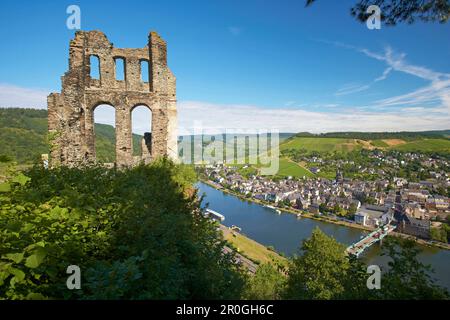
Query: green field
[289, 168]
[379, 143]
[321, 144]
[425, 145]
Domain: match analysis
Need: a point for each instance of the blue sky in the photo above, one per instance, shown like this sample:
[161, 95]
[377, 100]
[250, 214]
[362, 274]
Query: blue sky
[249, 64]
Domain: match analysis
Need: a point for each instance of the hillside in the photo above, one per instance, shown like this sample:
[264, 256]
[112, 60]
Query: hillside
[403, 135]
[321, 143]
[23, 136]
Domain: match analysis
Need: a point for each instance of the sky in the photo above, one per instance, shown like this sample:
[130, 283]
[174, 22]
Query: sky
[248, 64]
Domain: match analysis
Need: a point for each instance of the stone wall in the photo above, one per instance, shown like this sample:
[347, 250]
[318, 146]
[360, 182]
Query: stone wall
[71, 112]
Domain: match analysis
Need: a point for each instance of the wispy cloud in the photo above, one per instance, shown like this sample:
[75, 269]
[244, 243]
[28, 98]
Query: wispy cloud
[20, 97]
[434, 95]
[215, 117]
[354, 88]
[351, 88]
[426, 108]
[384, 75]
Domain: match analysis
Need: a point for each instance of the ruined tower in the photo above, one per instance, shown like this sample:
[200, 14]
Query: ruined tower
[71, 112]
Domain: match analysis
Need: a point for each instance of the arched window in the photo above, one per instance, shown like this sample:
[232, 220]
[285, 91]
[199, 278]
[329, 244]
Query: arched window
[94, 63]
[141, 124]
[120, 68]
[144, 71]
[105, 133]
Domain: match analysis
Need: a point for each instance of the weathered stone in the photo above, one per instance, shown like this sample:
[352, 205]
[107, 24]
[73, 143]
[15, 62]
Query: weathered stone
[71, 112]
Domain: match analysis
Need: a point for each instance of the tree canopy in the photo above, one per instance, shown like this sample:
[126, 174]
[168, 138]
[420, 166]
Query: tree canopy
[135, 234]
[402, 11]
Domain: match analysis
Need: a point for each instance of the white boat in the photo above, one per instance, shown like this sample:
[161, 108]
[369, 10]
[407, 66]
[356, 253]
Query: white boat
[236, 228]
[270, 207]
[278, 211]
[214, 215]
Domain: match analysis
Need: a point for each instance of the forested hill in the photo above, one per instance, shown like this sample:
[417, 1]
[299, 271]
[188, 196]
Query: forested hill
[404, 135]
[23, 136]
[23, 133]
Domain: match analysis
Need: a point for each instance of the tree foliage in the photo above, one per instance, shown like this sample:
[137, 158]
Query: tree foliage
[135, 234]
[267, 284]
[24, 136]
[317, 272]
[139, 234]
[324, 271]
[399, 11]
[407, 278]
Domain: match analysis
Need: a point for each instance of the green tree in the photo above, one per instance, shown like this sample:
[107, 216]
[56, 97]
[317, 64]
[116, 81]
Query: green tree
[336, 208]
[5, 158]
[407, 278]
[439, 234]
[319, 271]
[323, 208]
[136, 234]
[355, 281]
[267, 283]
[352, 210]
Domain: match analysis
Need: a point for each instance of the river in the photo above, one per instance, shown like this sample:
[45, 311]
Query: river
[285, 231]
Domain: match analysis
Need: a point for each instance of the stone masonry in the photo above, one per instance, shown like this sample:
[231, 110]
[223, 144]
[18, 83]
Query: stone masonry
[71, 112]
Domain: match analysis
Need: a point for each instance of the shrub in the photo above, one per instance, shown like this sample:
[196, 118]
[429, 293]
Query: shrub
[135, 234]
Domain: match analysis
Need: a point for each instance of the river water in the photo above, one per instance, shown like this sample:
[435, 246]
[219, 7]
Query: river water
[285, 231]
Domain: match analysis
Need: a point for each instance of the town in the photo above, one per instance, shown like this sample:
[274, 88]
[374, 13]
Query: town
[418, 208]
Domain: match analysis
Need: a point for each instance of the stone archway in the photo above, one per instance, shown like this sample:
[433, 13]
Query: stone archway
[141, 123]
[70, 113]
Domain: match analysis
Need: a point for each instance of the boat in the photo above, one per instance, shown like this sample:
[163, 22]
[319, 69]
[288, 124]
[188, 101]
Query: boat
[270, 207]
[278, 211]
[299, 215]
[214, 215]
[236, 228]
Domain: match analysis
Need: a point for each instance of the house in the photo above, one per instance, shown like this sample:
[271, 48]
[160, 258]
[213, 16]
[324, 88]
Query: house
[302, 204]
[415, 227]
[293, 198]
[361, 218]
[314, 170]
[415, 210]
[314, 208]
[373, 215]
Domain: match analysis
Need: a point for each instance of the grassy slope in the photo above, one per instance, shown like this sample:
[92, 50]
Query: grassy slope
[379, 143]
[252, 249]
[328, 144]
[23, 137]
[289, 168]
[321, 144]
[426, 145]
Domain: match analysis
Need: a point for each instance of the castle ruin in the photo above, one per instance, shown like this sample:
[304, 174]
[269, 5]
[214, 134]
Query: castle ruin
[71, 112]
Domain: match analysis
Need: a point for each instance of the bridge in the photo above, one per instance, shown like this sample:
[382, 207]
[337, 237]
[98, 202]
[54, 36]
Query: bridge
[357, 248]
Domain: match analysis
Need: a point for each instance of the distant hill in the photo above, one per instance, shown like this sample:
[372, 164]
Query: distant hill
[430, 141]
[404, 135]
[23, 136]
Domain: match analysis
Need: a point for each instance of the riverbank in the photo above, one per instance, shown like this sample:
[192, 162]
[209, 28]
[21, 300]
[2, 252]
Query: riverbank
[251, 249]
[324, 218]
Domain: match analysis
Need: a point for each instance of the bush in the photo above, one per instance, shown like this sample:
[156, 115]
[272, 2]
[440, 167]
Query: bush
[135, 234]
[5, 158]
